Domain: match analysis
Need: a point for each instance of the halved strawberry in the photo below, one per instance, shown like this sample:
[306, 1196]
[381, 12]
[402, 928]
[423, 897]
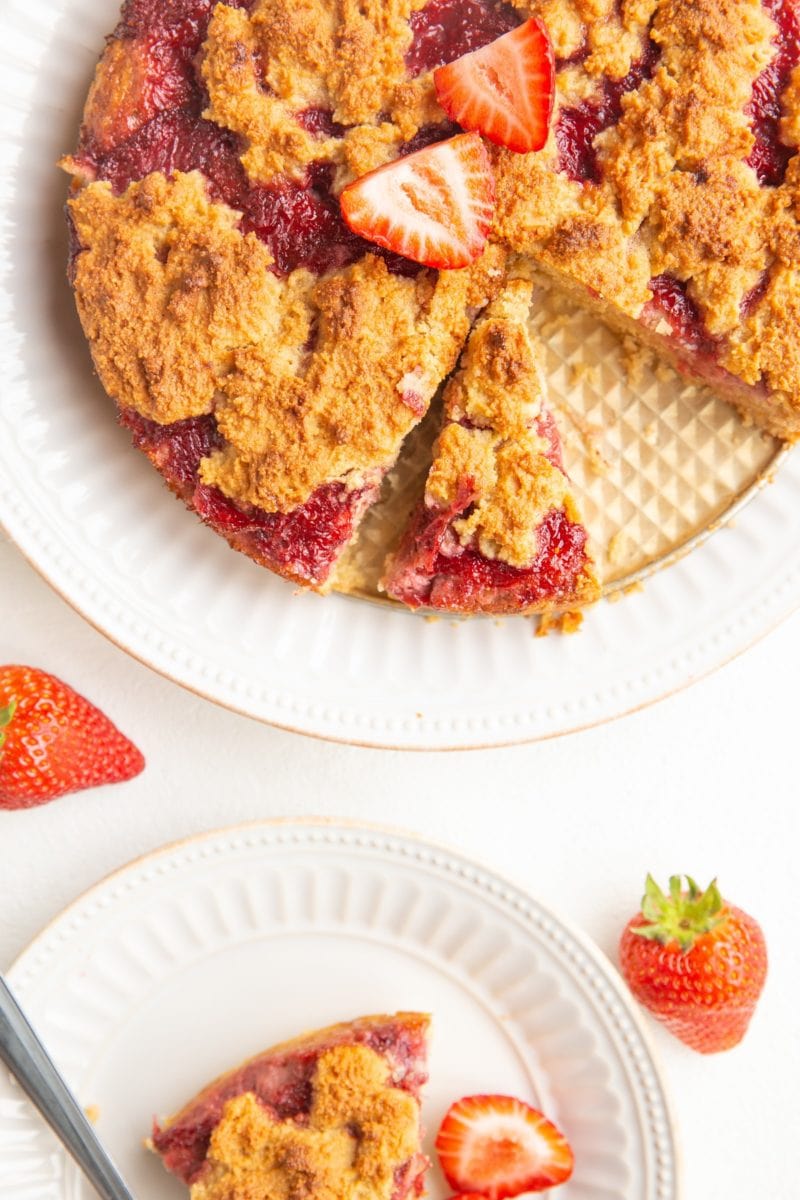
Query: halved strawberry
[434, 206]
[504, 90]
[499, 1146]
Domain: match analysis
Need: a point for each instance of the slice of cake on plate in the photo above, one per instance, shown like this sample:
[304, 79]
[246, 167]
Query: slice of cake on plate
[498, 529]
[333, 1114]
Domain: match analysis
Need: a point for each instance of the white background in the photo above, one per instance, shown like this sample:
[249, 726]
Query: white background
[704, 782]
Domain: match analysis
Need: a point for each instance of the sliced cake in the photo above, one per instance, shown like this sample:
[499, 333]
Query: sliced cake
[332, 1114]
[498, 529]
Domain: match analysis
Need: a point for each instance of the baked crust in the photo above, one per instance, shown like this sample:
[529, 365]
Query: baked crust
[333, 1113]
[676, 195]
[359, 1131]
[185, 316]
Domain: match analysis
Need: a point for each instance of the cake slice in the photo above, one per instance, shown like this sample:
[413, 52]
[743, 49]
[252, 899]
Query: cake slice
[498, 529]
[332, 1114]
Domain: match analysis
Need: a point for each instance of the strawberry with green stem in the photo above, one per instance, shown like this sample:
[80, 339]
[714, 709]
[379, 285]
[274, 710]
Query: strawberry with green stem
[696, 962]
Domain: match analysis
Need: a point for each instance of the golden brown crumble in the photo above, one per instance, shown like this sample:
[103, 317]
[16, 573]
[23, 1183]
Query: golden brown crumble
[498, 391]
[263, 68]
[184, 316]
[167, 289]
[676, 196]
[359, 1131]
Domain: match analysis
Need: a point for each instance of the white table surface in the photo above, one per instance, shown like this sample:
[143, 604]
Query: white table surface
[704, 782]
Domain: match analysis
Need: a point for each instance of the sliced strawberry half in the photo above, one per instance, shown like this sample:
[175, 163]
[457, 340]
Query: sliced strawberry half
[499, 1146]
[434, 206]
[504, 90]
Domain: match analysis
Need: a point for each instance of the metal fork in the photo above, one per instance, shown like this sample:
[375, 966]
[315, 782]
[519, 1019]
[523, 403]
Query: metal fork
[29, 1062]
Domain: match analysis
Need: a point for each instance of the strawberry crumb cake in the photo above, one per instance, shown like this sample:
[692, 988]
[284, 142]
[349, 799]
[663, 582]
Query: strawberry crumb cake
[288, 215]
[332, 1114]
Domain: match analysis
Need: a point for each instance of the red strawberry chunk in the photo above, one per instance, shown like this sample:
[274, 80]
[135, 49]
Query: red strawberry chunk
[504, 90]
[434, 206]
[499, 1146]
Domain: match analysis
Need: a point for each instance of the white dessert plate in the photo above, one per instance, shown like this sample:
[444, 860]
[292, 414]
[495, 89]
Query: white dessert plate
[197, 956]
[98, 523]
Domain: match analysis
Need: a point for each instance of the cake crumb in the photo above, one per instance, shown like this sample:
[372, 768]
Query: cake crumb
[637, 360]
[581, 372]
[571, 622]
[619, 548]
[92, 1112]
[565, 622]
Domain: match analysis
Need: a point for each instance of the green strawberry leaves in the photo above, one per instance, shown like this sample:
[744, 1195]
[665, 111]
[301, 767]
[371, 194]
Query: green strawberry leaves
[683, 915]
[6, 715]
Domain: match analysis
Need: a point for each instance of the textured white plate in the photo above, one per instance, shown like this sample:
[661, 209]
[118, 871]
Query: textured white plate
[96, 520]
[195, 957]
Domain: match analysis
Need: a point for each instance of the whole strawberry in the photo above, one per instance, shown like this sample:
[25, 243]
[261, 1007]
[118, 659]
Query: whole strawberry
[53, 741]
[696, 962]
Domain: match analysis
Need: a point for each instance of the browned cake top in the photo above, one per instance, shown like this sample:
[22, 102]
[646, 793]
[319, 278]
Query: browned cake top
[497, 394]
[359, 1131]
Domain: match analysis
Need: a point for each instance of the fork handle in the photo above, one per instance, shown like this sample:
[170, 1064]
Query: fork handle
[29, 1062]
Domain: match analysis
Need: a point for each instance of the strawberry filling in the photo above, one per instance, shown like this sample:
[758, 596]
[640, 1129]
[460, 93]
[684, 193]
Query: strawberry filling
[439, 574]
[696, 350]
[578, 126]
[305, 542]
[445, 29]
[769, 156]
[672, 303]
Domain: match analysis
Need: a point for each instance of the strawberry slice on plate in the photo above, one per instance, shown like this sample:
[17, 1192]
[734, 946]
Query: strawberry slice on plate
[434, 206]
[499, 1146]
[504, 90]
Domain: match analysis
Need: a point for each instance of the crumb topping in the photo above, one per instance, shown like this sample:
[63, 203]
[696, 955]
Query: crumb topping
[235, 66]
[264, 68]
[359, 1131]
[303, 374]
[489, 438]
[167, 289]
